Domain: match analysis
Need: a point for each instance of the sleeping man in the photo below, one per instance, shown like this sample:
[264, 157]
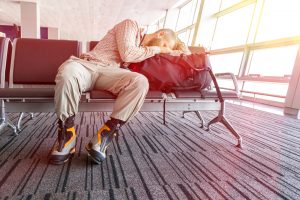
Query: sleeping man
[101, 69]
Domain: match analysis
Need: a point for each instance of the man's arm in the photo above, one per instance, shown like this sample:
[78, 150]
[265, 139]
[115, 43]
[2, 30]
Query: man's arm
[180, 48]
[126, 40]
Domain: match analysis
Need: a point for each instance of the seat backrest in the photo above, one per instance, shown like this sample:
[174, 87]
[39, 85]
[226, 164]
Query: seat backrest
[5, 56]
[35, 61]
[91, 45]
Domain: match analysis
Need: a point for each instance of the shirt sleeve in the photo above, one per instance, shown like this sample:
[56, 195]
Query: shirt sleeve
[126, 33]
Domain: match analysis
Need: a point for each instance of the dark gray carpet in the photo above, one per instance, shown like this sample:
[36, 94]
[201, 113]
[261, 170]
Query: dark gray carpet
[153, 161]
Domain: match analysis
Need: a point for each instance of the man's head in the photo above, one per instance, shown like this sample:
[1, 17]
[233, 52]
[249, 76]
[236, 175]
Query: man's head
[162, 38]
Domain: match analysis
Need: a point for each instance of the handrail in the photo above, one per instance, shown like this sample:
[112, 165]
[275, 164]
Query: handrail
[263, 94]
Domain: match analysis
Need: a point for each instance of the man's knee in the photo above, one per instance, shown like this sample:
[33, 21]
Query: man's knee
[141, 82]
[67, 72]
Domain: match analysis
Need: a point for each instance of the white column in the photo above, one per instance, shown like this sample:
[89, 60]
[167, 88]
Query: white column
[292, 101]
[53, 33]
[30, 20]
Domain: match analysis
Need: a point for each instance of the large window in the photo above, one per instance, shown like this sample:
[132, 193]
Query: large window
[266, 35]
[257, 40]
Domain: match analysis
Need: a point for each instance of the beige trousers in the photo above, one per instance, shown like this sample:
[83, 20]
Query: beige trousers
[74, 78]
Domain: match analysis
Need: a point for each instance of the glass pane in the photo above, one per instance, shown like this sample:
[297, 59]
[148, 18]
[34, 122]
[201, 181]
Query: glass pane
[280, 19]
[186, 15]
[184, 37]
[161, 23]
[228, 83]
[274, 61]
[191, 37]
[152, 28]
[267, 88]
[226, 62]
[228, 3]
[232, 29]
[171, 19]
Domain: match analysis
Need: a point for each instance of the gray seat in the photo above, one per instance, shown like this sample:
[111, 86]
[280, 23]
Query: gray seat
[51, 54]
[206, 94]
[100, 94]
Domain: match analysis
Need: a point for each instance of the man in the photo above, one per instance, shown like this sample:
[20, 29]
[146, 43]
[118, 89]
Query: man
[100, 69]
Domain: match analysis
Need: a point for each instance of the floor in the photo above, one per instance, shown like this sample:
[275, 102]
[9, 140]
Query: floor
[153, 161]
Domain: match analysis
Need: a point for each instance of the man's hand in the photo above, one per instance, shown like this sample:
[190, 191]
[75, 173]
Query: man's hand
[165, 50]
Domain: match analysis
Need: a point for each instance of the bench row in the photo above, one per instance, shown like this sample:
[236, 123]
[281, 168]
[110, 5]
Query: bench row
[31, 71]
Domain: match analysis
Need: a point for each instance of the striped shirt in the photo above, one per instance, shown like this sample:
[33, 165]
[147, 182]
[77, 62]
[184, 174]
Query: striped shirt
[122, 44]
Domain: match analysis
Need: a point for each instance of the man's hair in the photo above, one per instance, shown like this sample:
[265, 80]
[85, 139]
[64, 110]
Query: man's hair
[155, 42]
[169, 34]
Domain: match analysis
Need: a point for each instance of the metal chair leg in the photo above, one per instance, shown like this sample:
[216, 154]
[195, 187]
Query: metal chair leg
[6, 122]
[221, 118]
[19, 121]
[213, 121]
[198, 115]
[201, 118]
[232, 131]
[187, 111]
[13, 127]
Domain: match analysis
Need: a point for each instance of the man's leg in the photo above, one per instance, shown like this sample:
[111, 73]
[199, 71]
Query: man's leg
[131, 89]
[71, 80]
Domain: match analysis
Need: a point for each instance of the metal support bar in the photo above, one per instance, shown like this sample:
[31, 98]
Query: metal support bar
[221, 118]
[19, 121]
[164, 112]
[4, 122]
[199, 115]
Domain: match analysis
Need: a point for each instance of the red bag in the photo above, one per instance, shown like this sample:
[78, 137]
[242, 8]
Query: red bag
[169, 73]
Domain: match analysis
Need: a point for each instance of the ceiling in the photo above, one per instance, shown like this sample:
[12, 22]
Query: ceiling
[87, 19]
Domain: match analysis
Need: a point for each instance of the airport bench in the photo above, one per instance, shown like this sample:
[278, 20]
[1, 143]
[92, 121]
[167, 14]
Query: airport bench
[33, 92]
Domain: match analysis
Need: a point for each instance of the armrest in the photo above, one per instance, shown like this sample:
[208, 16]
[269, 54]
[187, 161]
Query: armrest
[232, 77]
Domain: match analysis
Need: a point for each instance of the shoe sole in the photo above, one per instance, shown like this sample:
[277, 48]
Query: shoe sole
[60, 162]
[98, 159]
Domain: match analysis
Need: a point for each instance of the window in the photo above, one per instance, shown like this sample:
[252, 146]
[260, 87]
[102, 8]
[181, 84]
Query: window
[186, 15]
[232, 29]
[280, 19]
[280, 60]
[226, 62]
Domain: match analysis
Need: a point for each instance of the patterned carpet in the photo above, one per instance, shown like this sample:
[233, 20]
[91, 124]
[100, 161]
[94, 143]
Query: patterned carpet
[153, 161]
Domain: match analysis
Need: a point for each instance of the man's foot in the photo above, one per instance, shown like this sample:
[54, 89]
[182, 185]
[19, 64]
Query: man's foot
[97, 146]
[65, 145]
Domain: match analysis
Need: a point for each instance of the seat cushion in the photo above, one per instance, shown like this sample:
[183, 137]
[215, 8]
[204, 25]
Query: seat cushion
[27, 93]
[101, 94]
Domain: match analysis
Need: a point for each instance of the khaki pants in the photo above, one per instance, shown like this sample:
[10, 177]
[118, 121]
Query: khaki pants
[74, 78]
